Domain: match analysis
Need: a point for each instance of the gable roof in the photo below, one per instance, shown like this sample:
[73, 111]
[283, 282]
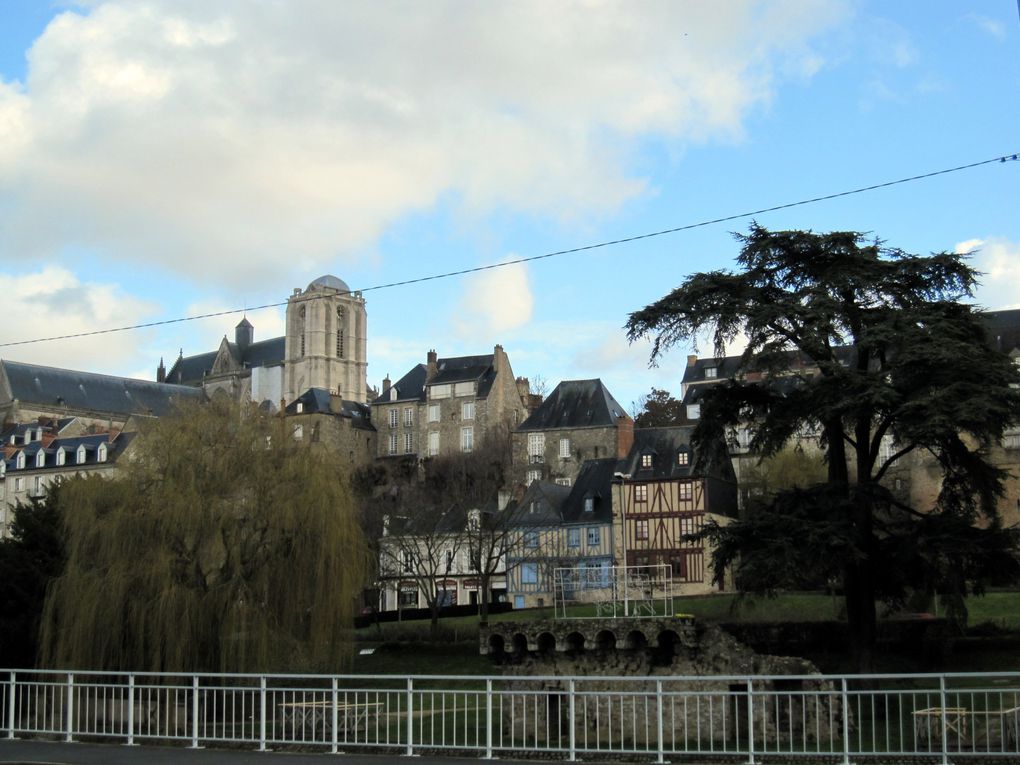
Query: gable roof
[412, 386]
[320, 401]
[576, 404]
[542, 504]
[115, 448]
[594, 481]
[663, 445]
[191, 370]
[50, 387]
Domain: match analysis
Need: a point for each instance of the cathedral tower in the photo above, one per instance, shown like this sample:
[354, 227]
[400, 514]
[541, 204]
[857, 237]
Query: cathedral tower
[326, 341]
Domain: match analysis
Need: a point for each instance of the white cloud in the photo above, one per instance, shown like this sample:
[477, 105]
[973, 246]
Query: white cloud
[998, 260]
[54, 302]
[217, 139]
[494, 302]
[991, 27]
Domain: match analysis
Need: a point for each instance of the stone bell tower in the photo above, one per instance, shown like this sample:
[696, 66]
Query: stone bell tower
[326, 341]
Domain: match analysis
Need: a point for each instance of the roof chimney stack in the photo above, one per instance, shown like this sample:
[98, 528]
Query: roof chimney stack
[433, 365]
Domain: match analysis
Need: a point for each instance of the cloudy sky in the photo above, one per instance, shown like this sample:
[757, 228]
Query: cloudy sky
[164, 158]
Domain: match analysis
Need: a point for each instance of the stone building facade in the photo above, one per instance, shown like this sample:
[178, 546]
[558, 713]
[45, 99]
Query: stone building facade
[323, 420]
[449, 405]
[580, 420]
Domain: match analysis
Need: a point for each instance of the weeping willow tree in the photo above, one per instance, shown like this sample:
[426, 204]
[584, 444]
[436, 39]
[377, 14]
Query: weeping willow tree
[221, 546]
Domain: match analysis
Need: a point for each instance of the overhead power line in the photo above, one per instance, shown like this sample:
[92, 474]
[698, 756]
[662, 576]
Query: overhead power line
[503, 264]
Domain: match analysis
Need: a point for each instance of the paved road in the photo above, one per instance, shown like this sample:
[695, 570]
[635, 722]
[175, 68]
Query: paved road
[21, 751]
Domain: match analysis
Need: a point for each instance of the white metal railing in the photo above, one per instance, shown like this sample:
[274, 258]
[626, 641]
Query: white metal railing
[844, 718]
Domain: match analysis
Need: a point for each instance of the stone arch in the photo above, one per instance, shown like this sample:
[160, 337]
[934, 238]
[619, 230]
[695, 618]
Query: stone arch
[668, 644]
[637, 640]
[605, 640]
[497, 645]
[546, 644]
[520, 641]
[575, 642]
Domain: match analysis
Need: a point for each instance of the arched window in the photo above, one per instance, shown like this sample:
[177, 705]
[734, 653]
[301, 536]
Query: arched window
[341, 322]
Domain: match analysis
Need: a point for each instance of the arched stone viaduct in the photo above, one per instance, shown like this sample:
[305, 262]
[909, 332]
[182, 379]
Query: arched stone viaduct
[575, 635]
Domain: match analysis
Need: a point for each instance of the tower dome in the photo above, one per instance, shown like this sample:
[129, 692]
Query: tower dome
[331, 282]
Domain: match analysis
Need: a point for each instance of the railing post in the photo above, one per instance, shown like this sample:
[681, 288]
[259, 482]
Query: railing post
[658, 722]
[572, 705]
[750, 721]
[262, 713]
[70, 707]
[488, 718]
[942, 719]
[194, 712]
[410, 718]
[845, 697]
[12, 695]
[131, 710]
[335, 697]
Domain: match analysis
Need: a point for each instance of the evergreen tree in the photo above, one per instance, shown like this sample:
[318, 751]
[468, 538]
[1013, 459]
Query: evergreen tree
[659, 410]
[885, 348]
[221, 546]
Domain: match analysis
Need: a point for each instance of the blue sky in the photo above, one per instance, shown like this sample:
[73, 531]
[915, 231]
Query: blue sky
[162, 158]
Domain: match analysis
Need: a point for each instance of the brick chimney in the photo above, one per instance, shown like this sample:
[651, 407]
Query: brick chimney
[433, 365]
[624, 436]
[385, 384]
[692, 359]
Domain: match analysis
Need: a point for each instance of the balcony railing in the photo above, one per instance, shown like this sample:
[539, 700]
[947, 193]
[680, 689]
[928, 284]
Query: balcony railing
[754, 718]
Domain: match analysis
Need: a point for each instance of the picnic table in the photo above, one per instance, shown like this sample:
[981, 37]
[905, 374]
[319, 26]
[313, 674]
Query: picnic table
[314, 716]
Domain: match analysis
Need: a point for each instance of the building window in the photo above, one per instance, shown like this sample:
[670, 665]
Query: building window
[19, 484]
[694, 412]
[690, 524]
[433, 444]
[61, 456]
[433, 412]
[686, 490]
[394, 415]
[301, 328]
[646, 460]
[408, 443]
[641, 492]
[408, 598]
[439, 391]
[641, 530]
[19, 462]
[564, 448]
[101, 453]
[711, 373]
[683, 458]
[518, 601]
[299, 408]
[531, 539]
[463, 389]
[449, 560]
[536, 445]
[40, 458]
[408, 561]
[467, 439]
[37, 486]
[393, 443]
[80, 456]
[408, 417]
[563, 482]
[589, 504]
[529, 573]
[340, 323]
[594, 536]
[467, 410]
[299, 432]
[573, 537]
[534, 475]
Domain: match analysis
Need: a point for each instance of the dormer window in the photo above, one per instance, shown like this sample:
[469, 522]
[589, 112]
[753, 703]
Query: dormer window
[299, 408]
[20, 462]
[40, 459]
[61, 456]
[80, 456]
[589, 504]
[28, 436]
[646, 460]
[101, 453]
[683, 458]
[711, 373]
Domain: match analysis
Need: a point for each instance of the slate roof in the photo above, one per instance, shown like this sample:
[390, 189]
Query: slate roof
[576, 404]
[319, 401]
[542, 504]
[411, 387]
[663, 445]
[1003, 329]
[594, 480]
[88, 391]
[91, 443]
[191, 370]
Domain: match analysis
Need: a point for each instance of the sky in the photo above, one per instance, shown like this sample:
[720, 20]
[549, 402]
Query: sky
[167, 158]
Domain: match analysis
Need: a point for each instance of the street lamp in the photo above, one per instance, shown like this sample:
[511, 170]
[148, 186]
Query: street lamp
[623, 478]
